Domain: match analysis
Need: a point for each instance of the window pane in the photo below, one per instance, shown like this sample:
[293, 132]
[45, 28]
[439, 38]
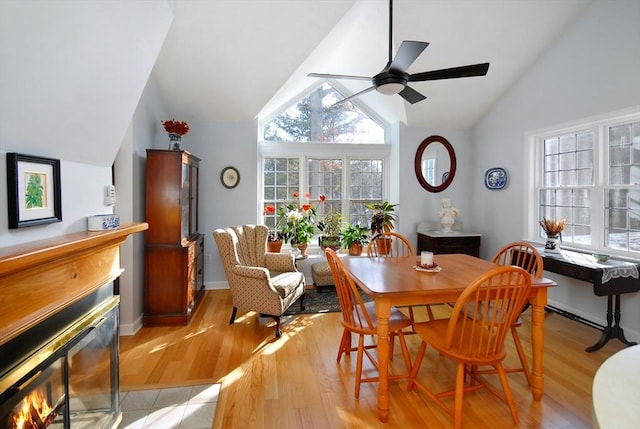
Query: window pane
[325, 178]
[622, 219]
[366, 187]
[281, 179]
[624, 155]
[568, 163]
[311, 120]
[585, 141]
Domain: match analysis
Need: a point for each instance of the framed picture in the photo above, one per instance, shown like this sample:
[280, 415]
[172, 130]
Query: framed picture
[33, 190]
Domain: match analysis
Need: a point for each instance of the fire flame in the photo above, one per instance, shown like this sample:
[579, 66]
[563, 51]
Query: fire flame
[33, 411]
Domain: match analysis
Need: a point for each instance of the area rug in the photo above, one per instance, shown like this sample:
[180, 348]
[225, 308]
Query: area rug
[324, 300]
[190, 407]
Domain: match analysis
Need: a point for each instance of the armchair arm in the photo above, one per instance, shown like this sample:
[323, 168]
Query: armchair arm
[280, 262]
[258, 273]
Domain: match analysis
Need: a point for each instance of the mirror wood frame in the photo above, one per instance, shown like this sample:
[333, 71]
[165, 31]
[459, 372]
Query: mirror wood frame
[418, 163]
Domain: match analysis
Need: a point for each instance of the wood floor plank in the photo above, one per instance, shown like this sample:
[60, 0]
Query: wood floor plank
[295, 381]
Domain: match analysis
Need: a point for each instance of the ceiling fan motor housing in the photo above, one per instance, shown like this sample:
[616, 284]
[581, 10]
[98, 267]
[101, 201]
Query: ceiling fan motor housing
[387, 77]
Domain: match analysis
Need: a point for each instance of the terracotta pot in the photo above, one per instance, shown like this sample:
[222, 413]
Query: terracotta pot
[355, 249]
[384, 245]
[274, 246]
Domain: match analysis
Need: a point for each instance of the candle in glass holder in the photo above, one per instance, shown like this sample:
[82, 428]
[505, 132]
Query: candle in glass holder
[426, 258]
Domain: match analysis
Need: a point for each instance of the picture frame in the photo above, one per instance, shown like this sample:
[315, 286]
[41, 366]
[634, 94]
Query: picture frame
[34, 196]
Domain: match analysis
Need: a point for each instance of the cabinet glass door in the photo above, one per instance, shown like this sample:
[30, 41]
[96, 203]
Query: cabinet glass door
[185, 201]
[194, 200]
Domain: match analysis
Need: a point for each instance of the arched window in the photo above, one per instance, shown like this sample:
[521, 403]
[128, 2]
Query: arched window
[319, 148]
[320, 118]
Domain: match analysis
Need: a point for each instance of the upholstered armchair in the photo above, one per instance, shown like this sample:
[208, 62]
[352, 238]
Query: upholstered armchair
[267, 283]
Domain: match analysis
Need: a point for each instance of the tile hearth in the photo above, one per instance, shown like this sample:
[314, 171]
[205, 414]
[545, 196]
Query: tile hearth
[191, 407]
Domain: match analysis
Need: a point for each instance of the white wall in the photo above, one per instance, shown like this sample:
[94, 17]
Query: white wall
[593, 69]
[72, 74]
[416, 203]
[221, 145]
[130, 167]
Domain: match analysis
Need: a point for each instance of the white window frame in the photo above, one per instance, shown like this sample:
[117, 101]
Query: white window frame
[534, 167]
[304, 151]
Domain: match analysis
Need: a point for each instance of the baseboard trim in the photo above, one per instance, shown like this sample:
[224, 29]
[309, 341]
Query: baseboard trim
[128, 329]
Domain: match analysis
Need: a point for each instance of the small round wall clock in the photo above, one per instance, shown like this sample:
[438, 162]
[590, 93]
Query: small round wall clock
[230, 177]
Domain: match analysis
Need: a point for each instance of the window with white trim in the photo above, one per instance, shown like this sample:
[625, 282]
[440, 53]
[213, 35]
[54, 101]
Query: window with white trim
[315, 148]
[347, 185]
[589, 175]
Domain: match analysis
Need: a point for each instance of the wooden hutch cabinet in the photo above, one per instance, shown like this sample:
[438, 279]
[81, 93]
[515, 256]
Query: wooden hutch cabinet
[174, 280]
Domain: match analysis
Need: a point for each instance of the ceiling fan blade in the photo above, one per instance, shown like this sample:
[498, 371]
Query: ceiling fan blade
[409, 51]
[451, 73]
[411, 95]
[338, 76]
[364, 91]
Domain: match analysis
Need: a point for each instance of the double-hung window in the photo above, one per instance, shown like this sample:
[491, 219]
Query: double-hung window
[589, 175]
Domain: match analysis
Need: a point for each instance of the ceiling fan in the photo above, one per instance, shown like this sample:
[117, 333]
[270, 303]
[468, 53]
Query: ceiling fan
[394, 79]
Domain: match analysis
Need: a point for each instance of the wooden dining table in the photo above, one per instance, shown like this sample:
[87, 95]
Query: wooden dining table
[393, 281]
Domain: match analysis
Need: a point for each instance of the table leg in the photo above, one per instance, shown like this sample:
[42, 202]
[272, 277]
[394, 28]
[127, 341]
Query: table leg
[611, 331]
[537, 341]
[383, 310]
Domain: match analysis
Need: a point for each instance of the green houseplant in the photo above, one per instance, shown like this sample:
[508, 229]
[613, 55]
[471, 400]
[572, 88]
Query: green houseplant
[382, 220]
[330, 227]
[353, 237]
[383, 217]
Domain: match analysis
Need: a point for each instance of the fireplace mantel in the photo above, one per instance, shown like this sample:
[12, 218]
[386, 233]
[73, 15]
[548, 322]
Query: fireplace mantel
[40, 278]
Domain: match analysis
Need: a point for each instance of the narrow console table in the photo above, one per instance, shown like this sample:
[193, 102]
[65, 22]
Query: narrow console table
[610, 279]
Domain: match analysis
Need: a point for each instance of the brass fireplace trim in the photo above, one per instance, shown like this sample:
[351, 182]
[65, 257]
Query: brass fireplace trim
[90, 320]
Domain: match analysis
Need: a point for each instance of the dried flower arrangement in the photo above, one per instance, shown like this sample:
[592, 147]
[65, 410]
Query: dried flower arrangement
[176, 127]
[553, 226]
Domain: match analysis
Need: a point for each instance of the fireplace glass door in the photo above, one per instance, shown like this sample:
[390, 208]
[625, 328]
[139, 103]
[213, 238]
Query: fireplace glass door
[76, 384]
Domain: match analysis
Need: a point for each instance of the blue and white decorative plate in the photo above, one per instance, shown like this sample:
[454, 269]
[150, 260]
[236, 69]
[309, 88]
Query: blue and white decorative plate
[495, 178]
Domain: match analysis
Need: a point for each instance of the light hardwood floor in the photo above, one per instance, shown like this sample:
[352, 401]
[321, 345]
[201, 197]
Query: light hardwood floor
[295, 382]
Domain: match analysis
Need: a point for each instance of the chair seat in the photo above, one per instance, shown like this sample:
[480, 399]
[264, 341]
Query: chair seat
[435, 332]
[287, 283]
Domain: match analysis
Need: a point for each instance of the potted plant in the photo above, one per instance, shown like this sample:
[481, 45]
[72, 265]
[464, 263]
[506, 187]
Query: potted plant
[274, 241]
[382, 220]
[353, 237]
[383, 217]
[298, 224]
[330, 227]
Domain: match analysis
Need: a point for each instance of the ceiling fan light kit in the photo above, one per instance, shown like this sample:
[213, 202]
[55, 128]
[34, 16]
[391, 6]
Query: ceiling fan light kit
[394, 79]
[390, 88]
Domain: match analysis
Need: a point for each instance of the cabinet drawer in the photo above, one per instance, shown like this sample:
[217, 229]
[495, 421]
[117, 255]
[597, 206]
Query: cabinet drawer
[444, 245]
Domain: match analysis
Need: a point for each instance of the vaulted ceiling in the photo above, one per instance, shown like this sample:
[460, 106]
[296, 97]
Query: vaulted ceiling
[73, 72]
[232, 61]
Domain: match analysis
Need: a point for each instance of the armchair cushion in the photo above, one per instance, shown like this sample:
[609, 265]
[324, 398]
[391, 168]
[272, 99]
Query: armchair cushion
[286, 283]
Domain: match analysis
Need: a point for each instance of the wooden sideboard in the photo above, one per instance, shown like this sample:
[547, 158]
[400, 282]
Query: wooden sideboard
[457, 242]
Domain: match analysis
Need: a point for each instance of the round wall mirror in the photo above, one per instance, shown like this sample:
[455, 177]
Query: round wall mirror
[435, 164]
